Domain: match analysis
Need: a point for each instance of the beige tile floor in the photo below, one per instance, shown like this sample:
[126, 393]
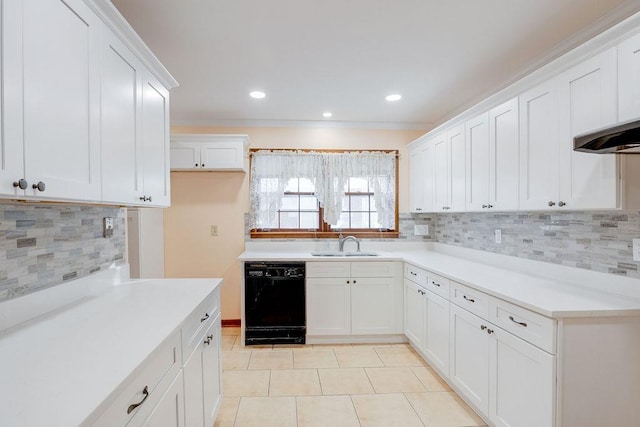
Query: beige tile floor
[334, 386]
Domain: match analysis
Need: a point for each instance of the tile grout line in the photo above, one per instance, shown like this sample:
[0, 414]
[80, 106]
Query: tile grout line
[413, 408]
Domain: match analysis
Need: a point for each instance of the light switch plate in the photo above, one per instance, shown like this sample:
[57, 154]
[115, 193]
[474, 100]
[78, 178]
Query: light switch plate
[107, 227]
[636, 249]
[421, 230]
[498, 236]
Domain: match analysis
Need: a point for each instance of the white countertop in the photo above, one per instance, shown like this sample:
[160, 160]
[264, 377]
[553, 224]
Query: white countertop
[550, 290]
[56, 369]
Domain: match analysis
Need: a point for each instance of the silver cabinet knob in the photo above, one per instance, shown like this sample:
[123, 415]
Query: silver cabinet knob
[561, 203]
[40, 186]
[551, 203]
[484, 206]
[21, 183]
[490, 206]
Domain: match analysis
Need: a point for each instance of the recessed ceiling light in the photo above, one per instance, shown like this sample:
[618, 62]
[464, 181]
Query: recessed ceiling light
[394, 97]
[257, 94]
[327, 114]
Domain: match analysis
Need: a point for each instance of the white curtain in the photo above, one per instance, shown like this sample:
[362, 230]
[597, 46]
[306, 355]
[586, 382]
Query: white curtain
[272, 170]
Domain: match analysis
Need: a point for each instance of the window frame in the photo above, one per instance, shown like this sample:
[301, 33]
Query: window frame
[324, 230]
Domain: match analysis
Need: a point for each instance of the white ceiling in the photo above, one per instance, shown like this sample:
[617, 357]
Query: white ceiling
[345, 56]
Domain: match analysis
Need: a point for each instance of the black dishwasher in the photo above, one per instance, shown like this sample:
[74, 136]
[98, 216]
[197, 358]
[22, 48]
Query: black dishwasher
[274, 303]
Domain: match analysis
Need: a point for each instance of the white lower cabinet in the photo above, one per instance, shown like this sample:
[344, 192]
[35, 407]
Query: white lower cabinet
[521, 383]
[414, 314]
[171, 409]
[469, 370]
[353, 298]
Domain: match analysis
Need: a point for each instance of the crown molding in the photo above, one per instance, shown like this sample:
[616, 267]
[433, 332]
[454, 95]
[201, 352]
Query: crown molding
[332, 124]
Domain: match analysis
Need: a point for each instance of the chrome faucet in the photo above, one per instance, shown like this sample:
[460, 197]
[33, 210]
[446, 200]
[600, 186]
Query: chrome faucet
[342, 240]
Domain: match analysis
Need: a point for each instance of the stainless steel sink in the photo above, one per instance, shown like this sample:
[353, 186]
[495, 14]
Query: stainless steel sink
[339, 254]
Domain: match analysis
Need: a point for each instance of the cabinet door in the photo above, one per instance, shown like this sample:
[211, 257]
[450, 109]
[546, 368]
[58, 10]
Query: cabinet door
[457, 169]
[372, 305]
[588, 102]
[328, 306]
[441, 173]
[170, 410]
[61, 90]
[469, 357]
[223, 155]
[185, 156]
[155, 141]
[478, 164]
[414, 314]
[121, 112]
[522, 383]
[503, 156]
[11, 148]
[629, 79]
[539, 139]
[212, 372]
[437, 332]
[417, 181]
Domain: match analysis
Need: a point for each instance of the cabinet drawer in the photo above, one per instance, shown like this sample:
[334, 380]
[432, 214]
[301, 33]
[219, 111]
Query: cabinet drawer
[198, 322]
[531, 327]
[415, 274]
[328, 269]
[373, 269]
[155, 374]
[438, 285]
[470, 299]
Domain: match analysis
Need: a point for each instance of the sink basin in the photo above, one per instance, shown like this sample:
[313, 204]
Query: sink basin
[338, 254]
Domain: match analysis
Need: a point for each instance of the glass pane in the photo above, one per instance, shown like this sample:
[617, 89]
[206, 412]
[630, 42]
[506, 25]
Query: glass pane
[374, 220]
[308, 203]
[309, 220]
[292, 185]
[372, 200]
[290, 203]
[345, 204]
[358, 185]
[343, 221]
[306, 185]
[359, 203]
[288, 220]
[359, 220]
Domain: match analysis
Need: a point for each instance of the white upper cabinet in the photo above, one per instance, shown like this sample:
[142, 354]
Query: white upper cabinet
[478, 167]
[629, 79]
[121, 100]
[421, 178]
[587, 102]
[209, 152]
[449, 171]
[539, 140]
[78, 119]
[155, 142]
[52, 58]
[504, 156]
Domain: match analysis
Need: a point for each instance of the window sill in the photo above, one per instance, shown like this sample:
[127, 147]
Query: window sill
[323, 234]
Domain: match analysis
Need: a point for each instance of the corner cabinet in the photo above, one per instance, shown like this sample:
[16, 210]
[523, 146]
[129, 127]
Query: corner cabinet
[75, 127]
[193, 153]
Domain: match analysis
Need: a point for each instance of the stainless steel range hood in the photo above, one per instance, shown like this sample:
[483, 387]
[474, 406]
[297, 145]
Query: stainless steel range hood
[622, 139]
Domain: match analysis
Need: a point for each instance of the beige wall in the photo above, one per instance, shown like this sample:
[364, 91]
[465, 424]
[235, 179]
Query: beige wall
[202, 199]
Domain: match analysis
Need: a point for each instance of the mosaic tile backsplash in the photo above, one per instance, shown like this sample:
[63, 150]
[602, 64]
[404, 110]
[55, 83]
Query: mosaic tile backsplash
[599, 241]
[45, 245]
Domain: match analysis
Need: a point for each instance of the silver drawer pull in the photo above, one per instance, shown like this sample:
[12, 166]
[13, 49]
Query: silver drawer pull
[468, 299]
[515, 321]
[435, 283]
[135, 405]
[206, 316]
[208, 340]
[413, 274]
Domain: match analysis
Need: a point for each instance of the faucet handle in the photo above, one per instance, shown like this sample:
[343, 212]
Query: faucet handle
[340, 236]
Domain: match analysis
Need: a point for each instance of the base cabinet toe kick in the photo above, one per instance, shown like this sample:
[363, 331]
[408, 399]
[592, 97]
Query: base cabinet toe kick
[518, 368]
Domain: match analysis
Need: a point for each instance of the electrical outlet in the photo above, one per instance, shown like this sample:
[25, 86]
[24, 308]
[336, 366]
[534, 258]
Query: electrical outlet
[636, 249]
[107, 227]
[214, 230]
[498, 235]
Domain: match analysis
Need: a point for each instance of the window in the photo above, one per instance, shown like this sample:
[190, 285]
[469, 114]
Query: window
[320, 194]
